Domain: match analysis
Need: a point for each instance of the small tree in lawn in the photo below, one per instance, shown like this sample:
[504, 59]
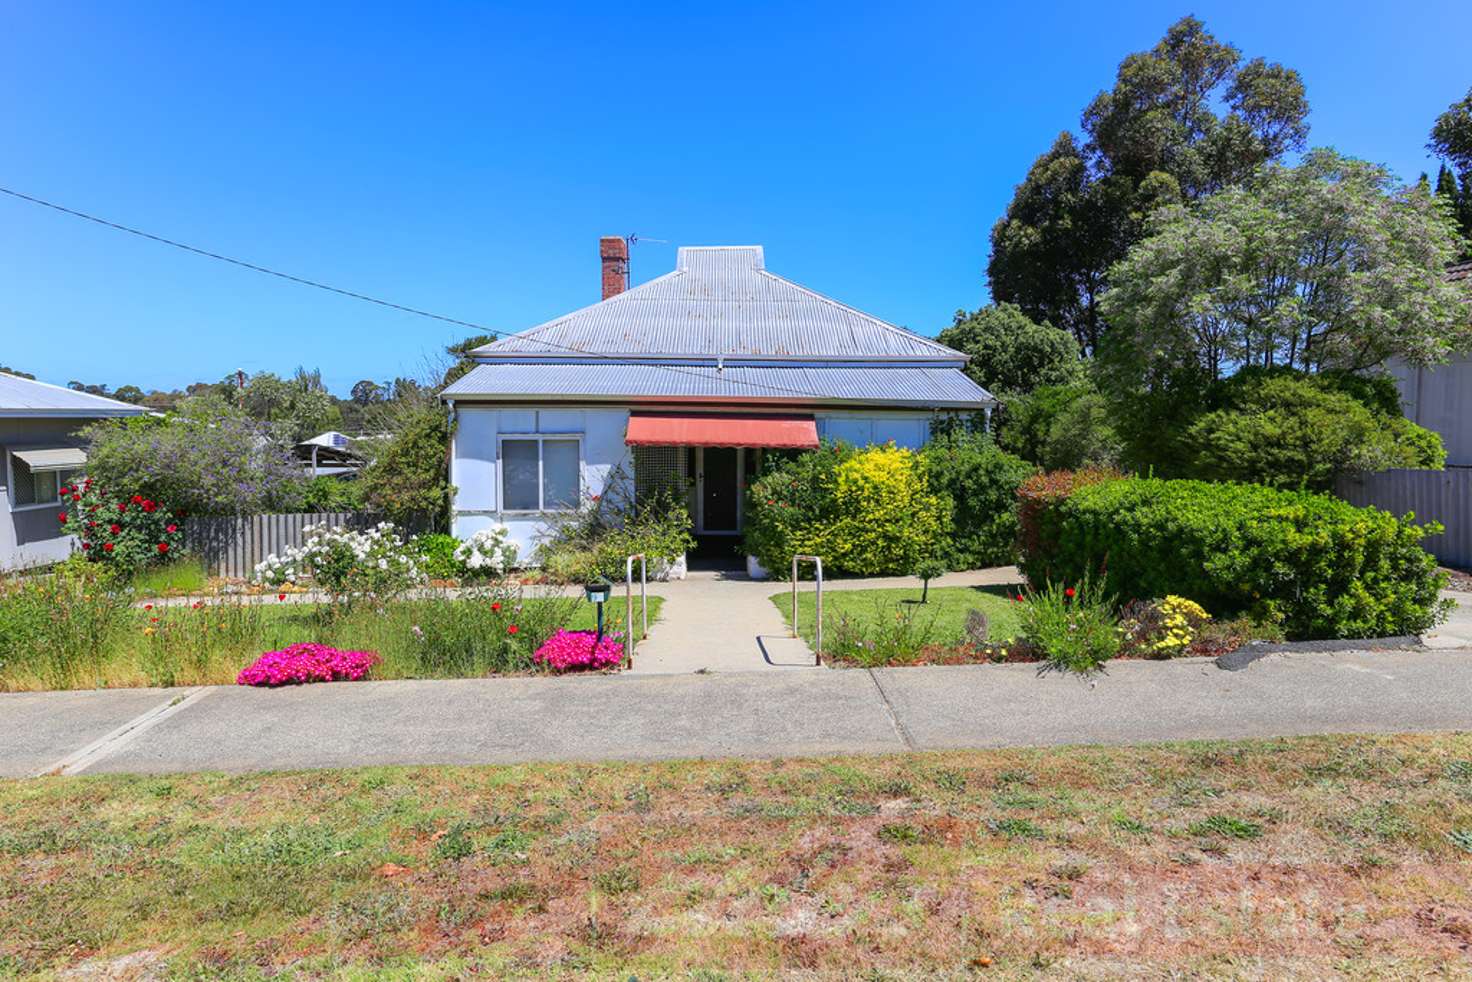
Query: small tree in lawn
[928, 569]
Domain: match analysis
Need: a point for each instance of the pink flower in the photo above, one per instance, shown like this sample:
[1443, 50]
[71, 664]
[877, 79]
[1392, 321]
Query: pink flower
[567, 650]
[302, 663]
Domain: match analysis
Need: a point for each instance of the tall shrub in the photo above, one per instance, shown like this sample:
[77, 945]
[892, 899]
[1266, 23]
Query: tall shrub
[207, 458]
[1320, 567]
[981, 481]
[408, 475]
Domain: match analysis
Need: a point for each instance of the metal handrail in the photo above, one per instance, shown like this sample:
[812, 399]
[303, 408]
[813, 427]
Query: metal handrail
[629, 604]
[817, 562]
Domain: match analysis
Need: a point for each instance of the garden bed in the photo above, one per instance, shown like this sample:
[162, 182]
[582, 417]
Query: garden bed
[208, 640]
[1302, 858]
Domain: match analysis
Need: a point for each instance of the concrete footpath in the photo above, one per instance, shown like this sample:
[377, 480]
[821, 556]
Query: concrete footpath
[749, 714]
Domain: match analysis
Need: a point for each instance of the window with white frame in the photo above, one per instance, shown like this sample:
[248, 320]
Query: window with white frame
[33, 488]
[541, 473]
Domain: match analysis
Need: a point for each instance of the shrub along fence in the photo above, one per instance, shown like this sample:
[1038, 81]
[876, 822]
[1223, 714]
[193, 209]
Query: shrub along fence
[1434, 496]
[232, 545]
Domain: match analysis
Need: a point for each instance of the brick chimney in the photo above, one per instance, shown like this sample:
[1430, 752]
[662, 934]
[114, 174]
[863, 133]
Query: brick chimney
[614, 252]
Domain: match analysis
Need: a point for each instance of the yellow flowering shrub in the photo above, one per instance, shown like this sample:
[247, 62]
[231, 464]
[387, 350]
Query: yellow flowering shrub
[868, 511]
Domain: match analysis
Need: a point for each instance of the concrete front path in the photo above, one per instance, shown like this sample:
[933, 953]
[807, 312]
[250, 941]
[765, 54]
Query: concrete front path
[1457, 631]
[748, 714]
[725, 622]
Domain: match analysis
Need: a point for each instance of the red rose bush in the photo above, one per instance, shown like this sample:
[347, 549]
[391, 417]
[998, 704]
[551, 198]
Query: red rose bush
[130, 531]
[303, 663]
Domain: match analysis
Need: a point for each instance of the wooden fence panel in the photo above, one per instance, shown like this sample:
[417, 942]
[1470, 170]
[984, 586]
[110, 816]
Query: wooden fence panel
[231, 545]
[1434, 496]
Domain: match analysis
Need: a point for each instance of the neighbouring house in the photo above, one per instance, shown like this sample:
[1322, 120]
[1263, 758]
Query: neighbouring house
[1440, 397]
[329, 454]
[684, 382]
[38, 427]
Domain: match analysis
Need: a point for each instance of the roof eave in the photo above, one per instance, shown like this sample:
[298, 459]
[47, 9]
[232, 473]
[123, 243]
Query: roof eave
[617, 400]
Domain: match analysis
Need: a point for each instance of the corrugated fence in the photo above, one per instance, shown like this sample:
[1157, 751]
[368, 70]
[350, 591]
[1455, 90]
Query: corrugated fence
[233, 545]
[1439, 496]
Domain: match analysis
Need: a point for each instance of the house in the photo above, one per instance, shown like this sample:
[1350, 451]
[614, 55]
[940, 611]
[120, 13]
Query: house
[328, 454]
[684, 382]
[41, 451]
[1440, 398]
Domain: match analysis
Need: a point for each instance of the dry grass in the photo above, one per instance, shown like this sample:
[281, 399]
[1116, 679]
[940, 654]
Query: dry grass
[1305, 858]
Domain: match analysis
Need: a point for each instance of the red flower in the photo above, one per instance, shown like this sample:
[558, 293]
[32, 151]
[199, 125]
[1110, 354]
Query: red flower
[153, 620]
[76, 497]
[1068, 592]
[137, 499]
[148, 606]
[114, 528]
[172, 528]
[280, 596]
[107, 547]
[496, 605]
[1018, 598]
[86, 545]
[122, 506]
[61, 517]
[512, 629]
[65, 491]
[149, 506]
[163, 547]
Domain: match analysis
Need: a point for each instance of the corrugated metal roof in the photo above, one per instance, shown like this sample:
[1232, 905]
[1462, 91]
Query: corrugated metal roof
[937, 387]
[720, 301]
[1459, 271]
[27, 397]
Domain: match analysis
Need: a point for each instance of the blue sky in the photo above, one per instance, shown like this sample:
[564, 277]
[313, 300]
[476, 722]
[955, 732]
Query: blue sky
[465, 158]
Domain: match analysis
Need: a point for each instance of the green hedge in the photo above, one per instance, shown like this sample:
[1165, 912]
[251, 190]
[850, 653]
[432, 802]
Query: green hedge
[1317, 565]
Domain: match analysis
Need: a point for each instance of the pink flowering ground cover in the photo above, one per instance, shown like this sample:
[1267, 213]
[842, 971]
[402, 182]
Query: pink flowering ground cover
[568, 650]
[303, 663]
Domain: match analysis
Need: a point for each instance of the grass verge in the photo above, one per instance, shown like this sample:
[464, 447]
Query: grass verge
[945, 612]
[1311, 857]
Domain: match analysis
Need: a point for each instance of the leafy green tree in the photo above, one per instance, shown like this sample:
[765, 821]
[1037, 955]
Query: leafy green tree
[1292, 431]
[1451, 134]
[1326, 265]
[980, 480]
[1010, 353]
[408, 475]
[16, 372]
[1183, 120]
[129, 393]
[460, 352]
[1061, 427]
[366, 392]
[301, 404]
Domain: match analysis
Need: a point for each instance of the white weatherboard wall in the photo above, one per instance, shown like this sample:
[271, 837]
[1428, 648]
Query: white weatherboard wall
[475, 471]
[475, 468]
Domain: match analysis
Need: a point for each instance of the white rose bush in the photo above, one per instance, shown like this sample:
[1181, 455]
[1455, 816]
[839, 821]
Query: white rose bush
[346, 563]
[488, 552]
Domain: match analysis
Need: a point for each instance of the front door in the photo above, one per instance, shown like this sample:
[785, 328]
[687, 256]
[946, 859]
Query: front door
[720, 490]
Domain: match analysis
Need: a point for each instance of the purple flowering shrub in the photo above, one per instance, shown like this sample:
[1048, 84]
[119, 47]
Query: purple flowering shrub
[302, 663]
[568, 650]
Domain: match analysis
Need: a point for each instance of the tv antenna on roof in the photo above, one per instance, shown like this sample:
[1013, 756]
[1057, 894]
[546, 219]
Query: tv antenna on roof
[634, 239]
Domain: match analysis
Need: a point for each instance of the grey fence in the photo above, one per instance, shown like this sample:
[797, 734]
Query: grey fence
[232, 546]
[1434, 496]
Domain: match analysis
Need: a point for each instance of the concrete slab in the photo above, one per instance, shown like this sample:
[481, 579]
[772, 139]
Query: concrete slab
[506, 720]
[37, 729]
[1457, 631]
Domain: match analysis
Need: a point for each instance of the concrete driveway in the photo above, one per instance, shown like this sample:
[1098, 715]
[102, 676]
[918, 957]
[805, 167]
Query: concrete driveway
[751, 714]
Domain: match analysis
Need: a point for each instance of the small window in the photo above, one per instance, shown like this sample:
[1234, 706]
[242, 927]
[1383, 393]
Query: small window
[540, 474]
[36, 487]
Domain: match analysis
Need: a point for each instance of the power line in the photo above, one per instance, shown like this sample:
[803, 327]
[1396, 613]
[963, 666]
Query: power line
[303, 281]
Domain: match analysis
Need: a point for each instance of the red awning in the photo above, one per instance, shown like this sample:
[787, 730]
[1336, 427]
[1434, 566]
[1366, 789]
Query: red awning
[722, 430]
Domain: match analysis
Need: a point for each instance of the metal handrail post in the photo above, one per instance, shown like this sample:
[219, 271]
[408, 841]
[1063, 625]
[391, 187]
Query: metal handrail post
[817, 562]
[629, 604]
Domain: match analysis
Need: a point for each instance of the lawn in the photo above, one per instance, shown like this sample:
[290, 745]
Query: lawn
[93, 645]
[943, 617]
[1305, 858]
